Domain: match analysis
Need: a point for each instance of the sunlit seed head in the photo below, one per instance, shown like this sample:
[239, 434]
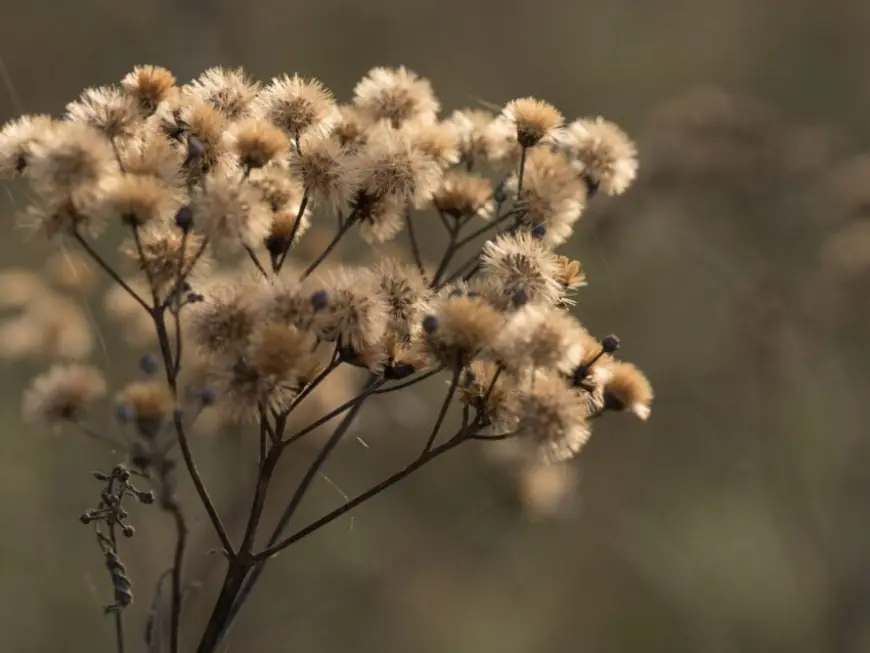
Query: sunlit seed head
[520, 261]
[204, 129]
[134, 200]
[437, 140]
[326, 172]
[533, 120]
[628, 389]
[108, 109]
[148, 86]
[391, 166]
[151, 153]
[380, 220]
[464, 327]
[604, 154]
[357, 313]
[281, 351]
[552, 195]
[231, 212]
[540, 338]
[240, 390]
[62, 393]
[407, 296]
[72, 159]
[395, 95]
[471, 127]
[149, 403]
[16, 139]
[351, 129]
[256, 143]
[570, 275]
[230, 92]
[552, 416]
[286, 301]
[297, 105]
[464, 194]
[223, 323]
[496, 401]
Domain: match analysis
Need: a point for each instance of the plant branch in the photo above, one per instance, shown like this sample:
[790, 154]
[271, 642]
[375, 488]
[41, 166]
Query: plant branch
[108, 270]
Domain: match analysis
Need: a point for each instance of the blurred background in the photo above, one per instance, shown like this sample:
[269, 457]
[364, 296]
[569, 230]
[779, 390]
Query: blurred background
[735, 271]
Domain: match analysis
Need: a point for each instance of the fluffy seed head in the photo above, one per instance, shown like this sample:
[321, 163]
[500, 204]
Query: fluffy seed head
[325, 171]
[16, 139]
[460, 328]
[603, 153]
[463, 194]
[151, 153]
[437, 140]
[134, 200]
[395, 95]
[107, 109]
[256, 142]
[628, 389]
[533, 119]
[406, 294]
[282, 352]
[351, 129]
[380, 219]
[539, 338]
[149, 86]
[229, 92]
[297, 105]
[62, 393]
[391, 166]
[231, 213]
[72, 158]
[521, 262]
[222, 324]
[162, 250]
[149, 402]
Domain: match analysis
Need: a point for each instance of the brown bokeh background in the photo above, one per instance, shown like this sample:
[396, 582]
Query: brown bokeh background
[735, 520]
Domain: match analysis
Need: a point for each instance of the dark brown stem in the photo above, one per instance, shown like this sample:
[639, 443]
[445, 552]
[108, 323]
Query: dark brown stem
[177, 572]
[119, 616]
[454, 382]
[338, 236]
[278, 263]
[108, 270]
[415, 246]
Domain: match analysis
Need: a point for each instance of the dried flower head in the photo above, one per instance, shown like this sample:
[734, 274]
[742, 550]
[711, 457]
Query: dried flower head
[351, 129]
[535, 338]
[148, 404]
[71, 159]
[521, 263]
[223, 322]
[256, 143]
[552, 196]
[461, 327]
[391, 166]
[149, 86]
[486, 387]
[151, 153]
[297, 105]
[282, 352]
[230, 211]
[16, 139]
[603, 153]
[406, 294]
[380, 219]
[464, 194]
[396, 95]
[570, 276]
[533, 120]
[552, 416]
[628, 389]
[134, 200]
[161, 248]
[108, 109]
[282, 194]
[62, 393]
[437, 140]
[229, 92]
[326, 172]
[204, 128]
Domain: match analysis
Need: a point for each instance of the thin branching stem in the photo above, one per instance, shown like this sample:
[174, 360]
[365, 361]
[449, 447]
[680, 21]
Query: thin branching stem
[415, 246]
[338, 236]
[278, 263]
[109, 270]
[256, 261]
[172, 507]
[454, 382]
[409, 382]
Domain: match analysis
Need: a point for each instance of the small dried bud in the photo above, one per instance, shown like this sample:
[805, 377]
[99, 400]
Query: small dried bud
[184, 218]
[128, 530]
[430, 324]
[610, 344]
[319, 300]
[149, 364]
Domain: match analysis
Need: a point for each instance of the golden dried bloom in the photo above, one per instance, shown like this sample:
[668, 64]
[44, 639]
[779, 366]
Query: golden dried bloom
[107, 109]
[229, 92]
[351, 129]
[72, 158]
[297, 105]
[223, 322]
[161, 246]
[205, 127]
[533, 119]
[460, 327]
[327, 173]
[396, 95]
[552, 197]
[240, 390]
[356, 311]
[379, 220]
[535, 337]
[604, 154]
[149, 402]
[552, 416]
[257, 142]
[570, 275]
[437, 140]
[497, 401]
[285, 301]
[407, 295]
[463, 194]
[62, 393]
[16, 139]
[281, 352]
[391, 166]
[230, 212]
[134, 200]
[151, 153]
[520, 263]
[628, 389]
[472, 126]
[70, 270]
[149, 86]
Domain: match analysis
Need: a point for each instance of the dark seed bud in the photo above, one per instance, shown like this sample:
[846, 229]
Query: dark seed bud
[125, 413]
[521, 297]
[539, 231]
[146, 497]
[195, 148]
[276, 245]
[320, 300]
[610, 344]
[100, 476]
[128, 530]
[87, 517]
[184, 218]
[430, 324]
[207, 396]
[455, 293]
[149, 364]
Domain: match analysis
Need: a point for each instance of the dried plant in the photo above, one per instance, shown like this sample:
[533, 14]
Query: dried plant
[214, 186]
